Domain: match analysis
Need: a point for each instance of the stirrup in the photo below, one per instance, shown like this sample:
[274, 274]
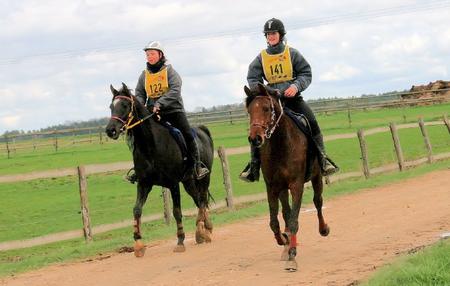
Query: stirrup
[247, 175]
[329, 168]
[200, 171]
[131, 176]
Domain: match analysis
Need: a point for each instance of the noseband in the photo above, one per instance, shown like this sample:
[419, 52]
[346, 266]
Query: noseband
[270, 128]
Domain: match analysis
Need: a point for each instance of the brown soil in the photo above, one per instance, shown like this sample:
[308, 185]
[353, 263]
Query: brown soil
[368, 229]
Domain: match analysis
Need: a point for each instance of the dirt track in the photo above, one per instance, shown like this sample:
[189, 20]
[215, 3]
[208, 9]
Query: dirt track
[368, 229]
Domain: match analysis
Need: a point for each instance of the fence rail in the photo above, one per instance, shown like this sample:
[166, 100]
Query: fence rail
[230, 201]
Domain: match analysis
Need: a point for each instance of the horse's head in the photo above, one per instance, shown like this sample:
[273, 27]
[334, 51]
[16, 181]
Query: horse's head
[122, 106]
[265, 111]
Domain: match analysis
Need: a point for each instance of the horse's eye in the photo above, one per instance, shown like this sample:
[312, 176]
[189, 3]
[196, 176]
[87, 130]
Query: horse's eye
[266, 109]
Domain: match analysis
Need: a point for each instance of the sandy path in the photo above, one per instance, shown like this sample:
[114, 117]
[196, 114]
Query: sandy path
[368, 229]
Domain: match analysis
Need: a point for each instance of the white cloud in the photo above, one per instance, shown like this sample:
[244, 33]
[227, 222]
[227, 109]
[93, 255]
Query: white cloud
[11, 121]
[339, 72]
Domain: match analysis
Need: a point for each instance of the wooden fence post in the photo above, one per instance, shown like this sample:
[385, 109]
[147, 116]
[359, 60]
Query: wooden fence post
[231, 117]
[167, 209]
[56, 140]
[446, 122]
[364, 157]
[100, 133]
[84, 204]
[34, 141]
[349, 116]
[398, 147]
[7, 147]
[226, 177]
[426, 139]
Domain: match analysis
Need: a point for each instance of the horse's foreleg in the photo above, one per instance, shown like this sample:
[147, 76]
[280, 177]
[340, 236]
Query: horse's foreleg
[286, 211]
[142, 194]
[285, 208]
[272, 198]
[317, 183]
[297, 194]
[176, 200]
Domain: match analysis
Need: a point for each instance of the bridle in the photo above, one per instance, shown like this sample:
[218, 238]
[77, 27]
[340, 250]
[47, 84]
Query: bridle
[127, 123]
[270, 128]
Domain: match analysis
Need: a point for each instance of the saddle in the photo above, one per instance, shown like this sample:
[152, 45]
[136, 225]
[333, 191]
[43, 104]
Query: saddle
[302, 123]
[179, 138]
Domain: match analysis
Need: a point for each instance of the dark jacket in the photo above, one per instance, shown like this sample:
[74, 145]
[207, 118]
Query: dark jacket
[301, 69]
[169, 102]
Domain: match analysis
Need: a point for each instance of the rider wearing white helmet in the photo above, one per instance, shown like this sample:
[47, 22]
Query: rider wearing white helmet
[159, 88]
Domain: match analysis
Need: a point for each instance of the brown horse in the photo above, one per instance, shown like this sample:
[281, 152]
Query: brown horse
[283, 150]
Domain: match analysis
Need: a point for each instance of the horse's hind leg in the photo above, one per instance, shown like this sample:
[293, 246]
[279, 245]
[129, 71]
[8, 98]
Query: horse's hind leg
[199, 193]
[317, 184]
[142, 194]
[176, 200]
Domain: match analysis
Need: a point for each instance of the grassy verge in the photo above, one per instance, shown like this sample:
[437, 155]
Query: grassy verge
[17, 261]
[430, 266]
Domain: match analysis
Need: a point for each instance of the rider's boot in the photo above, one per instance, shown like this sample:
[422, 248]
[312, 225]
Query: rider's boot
[196, 167]
[251, 171]
[327, 166]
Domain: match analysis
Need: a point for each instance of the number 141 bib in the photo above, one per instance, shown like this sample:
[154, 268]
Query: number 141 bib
[277, 68]
[156, 84]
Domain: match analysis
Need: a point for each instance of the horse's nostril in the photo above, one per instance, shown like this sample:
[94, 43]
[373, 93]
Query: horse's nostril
[258, 140]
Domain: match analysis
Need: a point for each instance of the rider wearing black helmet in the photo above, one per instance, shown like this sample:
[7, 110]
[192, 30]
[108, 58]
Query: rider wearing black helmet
[285, 69]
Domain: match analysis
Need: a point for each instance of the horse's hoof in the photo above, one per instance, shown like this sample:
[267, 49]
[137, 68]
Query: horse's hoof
[179, 248]
[325, 231]
[202, 234]
[291, 266]
[199, 237]
[285, 253]
[207, 236]
[139, 248]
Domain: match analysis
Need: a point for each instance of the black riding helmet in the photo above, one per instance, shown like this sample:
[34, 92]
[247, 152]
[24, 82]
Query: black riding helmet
[274, 25]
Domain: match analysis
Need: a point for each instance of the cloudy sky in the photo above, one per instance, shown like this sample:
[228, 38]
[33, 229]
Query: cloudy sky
[58, 58]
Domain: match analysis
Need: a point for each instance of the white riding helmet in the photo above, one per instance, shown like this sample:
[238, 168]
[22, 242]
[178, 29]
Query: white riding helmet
[155, 45]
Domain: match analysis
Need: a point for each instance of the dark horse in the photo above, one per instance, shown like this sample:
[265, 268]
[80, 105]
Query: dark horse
[158, 161]
[283, 150]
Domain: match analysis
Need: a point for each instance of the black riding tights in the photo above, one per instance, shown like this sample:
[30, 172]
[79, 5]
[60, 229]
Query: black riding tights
[298, 105]
[179, 121]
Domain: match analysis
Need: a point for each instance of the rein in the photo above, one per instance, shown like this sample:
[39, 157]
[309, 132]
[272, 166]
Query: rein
[273, 124]
[127, 122]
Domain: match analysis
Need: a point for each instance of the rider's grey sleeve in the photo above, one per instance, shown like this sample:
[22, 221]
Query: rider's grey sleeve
[140, 93]
[255, 72]
[302, 70]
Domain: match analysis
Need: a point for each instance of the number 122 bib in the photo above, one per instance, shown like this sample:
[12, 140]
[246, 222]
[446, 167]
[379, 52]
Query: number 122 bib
[156, 84]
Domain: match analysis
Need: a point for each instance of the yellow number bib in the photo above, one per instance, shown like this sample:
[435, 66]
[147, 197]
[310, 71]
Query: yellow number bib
[156, 84]
[277, 68]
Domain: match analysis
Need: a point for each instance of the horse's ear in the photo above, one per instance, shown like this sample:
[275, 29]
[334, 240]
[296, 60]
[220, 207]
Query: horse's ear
[262, 89]
[113, 90]
[247, 91]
